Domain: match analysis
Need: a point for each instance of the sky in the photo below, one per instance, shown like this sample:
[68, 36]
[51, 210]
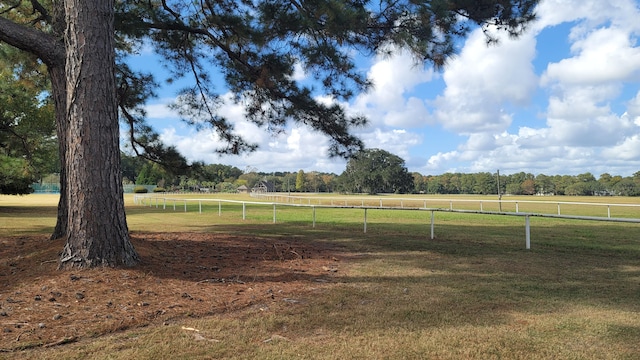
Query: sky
[562, 99]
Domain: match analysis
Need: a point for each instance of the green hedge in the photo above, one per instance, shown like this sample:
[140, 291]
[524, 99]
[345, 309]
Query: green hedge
[140, 190]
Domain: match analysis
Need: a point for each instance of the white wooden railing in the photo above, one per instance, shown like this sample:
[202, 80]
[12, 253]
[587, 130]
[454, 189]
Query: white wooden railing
[161, 201]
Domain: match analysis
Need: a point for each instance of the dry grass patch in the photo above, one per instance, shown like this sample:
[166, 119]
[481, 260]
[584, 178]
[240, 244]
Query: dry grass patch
[183, 275]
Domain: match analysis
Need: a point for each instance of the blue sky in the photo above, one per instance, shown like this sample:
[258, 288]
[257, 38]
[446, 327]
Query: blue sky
[562, 99]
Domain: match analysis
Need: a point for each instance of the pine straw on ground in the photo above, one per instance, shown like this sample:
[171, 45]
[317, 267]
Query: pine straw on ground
[181, 275]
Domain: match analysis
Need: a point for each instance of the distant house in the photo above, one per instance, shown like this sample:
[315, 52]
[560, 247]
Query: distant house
[263, 187]
[243, 189]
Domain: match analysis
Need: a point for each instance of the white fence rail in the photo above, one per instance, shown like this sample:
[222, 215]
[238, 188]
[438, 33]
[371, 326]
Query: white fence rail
[175, 203]
[453, 204]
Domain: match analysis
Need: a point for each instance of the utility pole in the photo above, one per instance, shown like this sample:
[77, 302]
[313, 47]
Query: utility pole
[499, 192]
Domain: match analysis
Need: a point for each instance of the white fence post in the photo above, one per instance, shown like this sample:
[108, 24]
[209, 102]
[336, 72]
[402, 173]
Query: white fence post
[274, 213]
[527, 232]
[219, 208]
[244, 210]
[365, 220]
[432, 235]
[314, 217]
[200, 206]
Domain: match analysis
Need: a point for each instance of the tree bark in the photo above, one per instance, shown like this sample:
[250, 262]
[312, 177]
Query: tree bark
[97, 233]
[59, 94]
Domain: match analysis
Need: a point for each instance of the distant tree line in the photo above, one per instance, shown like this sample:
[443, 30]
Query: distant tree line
[371, 171]
[528, 184]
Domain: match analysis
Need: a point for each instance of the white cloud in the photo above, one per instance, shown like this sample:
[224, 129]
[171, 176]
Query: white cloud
[603, 56]
[395, 141]
[629, 149]
[440, 161]
[593, 13]
[298, 72]
[482, 80]
[160, 109]
[388, 103]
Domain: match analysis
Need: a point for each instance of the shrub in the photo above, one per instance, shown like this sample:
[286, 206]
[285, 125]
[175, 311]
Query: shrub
[159, 190]
[140, 190]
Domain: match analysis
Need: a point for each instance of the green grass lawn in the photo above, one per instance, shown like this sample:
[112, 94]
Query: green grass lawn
[472, 292]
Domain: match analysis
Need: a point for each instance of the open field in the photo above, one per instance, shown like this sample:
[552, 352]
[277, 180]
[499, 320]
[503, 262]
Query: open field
[331, 291]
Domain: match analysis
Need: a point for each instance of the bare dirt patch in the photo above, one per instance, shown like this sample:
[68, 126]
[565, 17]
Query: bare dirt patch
[181, 275]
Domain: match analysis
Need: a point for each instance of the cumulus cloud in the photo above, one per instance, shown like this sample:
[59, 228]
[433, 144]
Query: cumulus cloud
[482, 80]
[389, 102]
[603, 56]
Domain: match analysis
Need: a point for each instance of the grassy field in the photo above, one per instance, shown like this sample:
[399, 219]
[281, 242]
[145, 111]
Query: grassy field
[472, 292]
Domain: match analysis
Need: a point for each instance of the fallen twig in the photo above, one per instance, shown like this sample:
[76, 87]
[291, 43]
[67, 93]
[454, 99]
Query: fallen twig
[61, 342]
[221, 280]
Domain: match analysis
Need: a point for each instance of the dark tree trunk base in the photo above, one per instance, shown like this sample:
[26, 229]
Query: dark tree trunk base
[84, 257]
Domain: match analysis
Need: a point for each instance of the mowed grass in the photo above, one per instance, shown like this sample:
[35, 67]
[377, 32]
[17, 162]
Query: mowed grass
[472, 292]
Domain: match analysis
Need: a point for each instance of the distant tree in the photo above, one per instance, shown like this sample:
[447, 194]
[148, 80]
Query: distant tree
[562, 182]
[215, 173]
[314, 182]
[419, 183]
[328, 181]
[434, 186]
[528, 187]
[586, 177]
[485, 184]
[580, 188]
[627, 187]
[377, 171]
[513, 189]
[300, 181]
[544, 184]
[151, 174]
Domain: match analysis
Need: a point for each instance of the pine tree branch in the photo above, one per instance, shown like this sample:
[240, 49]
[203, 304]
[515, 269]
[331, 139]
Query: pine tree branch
[43, 45]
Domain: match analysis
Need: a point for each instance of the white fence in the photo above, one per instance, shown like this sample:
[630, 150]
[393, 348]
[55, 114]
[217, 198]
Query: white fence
[158, 201]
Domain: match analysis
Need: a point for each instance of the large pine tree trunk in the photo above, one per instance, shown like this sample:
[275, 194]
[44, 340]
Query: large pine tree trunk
[97, 233]
[58, 86]
[59, 94]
